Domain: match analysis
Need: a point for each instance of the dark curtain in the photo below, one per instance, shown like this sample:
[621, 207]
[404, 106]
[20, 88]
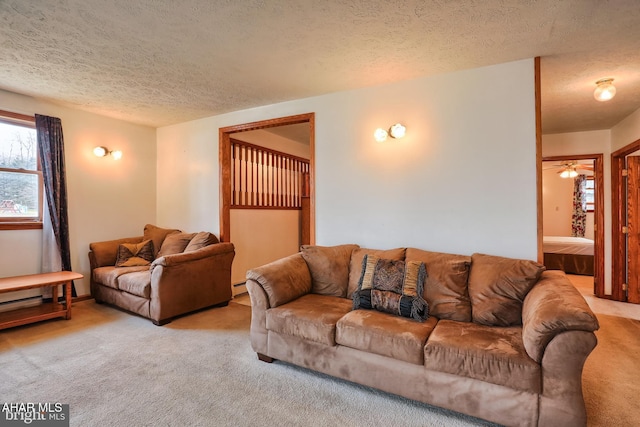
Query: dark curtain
[51, 149]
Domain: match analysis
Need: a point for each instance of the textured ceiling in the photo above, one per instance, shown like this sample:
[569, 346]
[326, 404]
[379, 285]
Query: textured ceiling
[158, 62]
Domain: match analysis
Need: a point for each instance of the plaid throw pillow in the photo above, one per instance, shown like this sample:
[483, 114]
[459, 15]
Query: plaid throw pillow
[392, 286]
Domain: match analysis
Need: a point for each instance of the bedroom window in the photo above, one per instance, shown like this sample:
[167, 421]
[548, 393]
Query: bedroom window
[20, 173]
[589, 193]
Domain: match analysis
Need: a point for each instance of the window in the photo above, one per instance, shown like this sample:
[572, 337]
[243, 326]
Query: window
[589, 193]
[20, 173]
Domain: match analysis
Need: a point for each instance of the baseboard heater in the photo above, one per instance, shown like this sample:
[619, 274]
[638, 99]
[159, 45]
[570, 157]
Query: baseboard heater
[20, 303]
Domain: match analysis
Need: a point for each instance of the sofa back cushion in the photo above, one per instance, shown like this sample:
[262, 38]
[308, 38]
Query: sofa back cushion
[497, 287]
[329, 268]
[200, 240]
[157, 236]
[355, 264]
[445, 289]
[175, 243]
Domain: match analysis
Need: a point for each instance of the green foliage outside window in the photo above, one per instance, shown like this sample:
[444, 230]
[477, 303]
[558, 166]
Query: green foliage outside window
[19, 177]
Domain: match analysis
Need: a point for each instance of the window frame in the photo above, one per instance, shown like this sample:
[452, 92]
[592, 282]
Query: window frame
[590, 207]
[24, 223]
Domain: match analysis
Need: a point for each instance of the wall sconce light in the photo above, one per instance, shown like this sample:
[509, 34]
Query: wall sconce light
[104, 151]
[605, 90]
[395, 131]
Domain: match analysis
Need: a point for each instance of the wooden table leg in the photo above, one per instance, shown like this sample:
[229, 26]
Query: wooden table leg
[54, 296]
[68, 299]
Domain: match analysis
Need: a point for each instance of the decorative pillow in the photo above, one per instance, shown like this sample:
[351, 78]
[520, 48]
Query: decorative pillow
[157, 235]
[175, 243]
[132, 254]
[445, 289]
[355, 265]
[329, 268]
[200, 240]
[392, 286]
[497, 287]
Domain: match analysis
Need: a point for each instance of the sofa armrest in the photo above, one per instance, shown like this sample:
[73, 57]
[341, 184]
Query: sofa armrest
[188, 281]
[103, 254]
[553, 306]
[283, 280]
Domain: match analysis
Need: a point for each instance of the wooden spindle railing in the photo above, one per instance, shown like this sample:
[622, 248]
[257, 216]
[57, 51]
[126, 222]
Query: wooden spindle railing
[266, 179]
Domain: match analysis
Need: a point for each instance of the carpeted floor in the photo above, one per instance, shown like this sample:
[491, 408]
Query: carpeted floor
[116, 369]
[611, 379]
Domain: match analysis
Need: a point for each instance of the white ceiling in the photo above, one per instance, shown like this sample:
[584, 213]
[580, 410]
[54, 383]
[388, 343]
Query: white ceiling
[159, 62]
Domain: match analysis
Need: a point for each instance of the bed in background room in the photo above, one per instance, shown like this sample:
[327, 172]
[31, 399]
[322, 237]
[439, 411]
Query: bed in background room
[573, 255]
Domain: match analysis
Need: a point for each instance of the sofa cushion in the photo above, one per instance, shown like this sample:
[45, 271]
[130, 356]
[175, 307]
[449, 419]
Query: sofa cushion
[355, 263]
[393, 287]
[175, 243]
[200, 240]
[108, 276]
[385, 334]
[329, 268]
[157, 236]
[497, 287]
[136, 283]
[445, 289]
[312, 317]
[134, 254]
[487, 353]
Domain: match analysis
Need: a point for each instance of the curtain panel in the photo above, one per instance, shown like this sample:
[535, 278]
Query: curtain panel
[51, 149]
[579, 215]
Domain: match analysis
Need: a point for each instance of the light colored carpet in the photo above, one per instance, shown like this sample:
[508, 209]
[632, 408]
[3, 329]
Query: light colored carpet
[611, 379]
[117, 369]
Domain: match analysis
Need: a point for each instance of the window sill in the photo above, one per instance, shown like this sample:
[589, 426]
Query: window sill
[27, 225]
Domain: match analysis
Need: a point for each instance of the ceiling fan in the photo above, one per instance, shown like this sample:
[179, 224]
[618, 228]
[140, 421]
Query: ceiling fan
[571, 168]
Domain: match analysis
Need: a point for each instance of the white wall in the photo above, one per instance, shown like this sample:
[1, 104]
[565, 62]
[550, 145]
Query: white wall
[274, 142]
[261, 236]
[592, 142]
[462, 180]
[108, 199]
[557, 204]
[626, 132]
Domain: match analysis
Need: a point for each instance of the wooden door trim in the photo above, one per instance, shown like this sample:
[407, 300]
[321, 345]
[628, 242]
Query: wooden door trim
[538, 108]
[618, 250]
[224, 159]
[598, 262]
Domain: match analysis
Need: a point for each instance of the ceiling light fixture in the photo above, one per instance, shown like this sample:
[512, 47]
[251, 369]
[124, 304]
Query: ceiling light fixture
[104, 151]
[605, 90]
[569, 172]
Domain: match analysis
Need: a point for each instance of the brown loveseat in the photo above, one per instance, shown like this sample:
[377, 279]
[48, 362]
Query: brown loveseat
[163, 274]
[505, 341]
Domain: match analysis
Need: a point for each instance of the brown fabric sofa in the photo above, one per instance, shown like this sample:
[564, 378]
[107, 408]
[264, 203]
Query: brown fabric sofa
[185, 272]
[505, 341]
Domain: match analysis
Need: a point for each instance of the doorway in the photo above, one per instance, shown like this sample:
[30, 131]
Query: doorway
[266, 190]
[598, 213]
[625, 224]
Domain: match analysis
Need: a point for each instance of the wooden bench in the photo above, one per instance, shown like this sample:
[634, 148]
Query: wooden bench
[45, 311]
